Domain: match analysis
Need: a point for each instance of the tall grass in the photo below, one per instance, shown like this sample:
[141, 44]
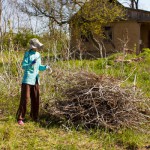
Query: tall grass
[133, 73]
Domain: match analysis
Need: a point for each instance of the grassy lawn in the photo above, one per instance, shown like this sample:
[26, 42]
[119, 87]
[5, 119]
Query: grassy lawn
[45, 135]
[34, 136]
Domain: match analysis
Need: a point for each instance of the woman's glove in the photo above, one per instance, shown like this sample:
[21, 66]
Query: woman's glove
[33, 62]
[49, 68]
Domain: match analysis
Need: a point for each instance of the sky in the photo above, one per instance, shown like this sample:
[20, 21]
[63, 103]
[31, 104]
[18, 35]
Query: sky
[143, 4]
[35, 23]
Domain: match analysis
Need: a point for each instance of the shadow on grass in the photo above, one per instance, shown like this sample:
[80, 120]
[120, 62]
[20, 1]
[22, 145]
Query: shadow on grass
[49, 121]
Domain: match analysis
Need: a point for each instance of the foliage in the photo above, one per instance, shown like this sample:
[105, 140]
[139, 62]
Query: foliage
[19, 39]
[23, 36]
[56, 39]
[103, 13]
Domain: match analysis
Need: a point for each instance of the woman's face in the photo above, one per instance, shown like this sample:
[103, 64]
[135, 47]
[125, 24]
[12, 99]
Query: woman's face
[35, 49]
[39, 48]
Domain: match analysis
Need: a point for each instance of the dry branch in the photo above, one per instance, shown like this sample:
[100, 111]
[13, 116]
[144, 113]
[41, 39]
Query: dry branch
[96, 101]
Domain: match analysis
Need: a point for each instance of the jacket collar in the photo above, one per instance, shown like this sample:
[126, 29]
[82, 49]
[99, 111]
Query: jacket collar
[31, 51]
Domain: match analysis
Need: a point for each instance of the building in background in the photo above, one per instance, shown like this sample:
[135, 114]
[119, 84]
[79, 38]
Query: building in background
[129, 35]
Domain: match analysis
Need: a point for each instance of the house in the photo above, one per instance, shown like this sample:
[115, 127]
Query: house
[128, 35]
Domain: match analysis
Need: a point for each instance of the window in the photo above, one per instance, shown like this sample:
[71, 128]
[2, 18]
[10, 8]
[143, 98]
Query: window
[108, 33]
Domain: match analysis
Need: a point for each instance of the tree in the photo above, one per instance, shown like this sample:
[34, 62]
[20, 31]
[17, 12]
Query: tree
[133, 3]
[90, 26]
[58, 11]
[103, 12]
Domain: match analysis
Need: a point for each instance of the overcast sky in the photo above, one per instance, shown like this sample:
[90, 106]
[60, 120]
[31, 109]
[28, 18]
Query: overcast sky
[143, 4]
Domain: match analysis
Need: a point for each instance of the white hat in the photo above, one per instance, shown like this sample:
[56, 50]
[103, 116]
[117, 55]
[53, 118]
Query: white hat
[34, 43]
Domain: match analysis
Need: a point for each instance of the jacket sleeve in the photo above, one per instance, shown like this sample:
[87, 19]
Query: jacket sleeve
[41, 67]
[25, 62]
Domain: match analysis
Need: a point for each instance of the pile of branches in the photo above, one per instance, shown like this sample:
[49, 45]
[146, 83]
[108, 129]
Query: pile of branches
[97, 101]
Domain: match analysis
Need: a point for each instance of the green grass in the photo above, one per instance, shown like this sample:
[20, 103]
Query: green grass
[45, 135]
[128, 71]
[34, 136]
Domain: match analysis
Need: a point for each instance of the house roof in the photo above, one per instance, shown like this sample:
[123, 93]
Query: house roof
[138, 15]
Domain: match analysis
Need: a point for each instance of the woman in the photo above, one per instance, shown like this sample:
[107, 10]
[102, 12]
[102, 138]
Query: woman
[30, 83]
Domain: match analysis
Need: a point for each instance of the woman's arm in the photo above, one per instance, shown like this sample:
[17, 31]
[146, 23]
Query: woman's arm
[25, 62]
[41, 67]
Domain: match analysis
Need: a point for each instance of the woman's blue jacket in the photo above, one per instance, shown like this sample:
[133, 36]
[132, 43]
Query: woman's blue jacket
[31, 72]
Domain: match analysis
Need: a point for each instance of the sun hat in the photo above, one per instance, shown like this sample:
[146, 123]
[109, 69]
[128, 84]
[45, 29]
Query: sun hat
[34, 43]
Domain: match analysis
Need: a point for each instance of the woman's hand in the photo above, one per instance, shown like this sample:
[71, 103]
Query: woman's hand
[49, 68]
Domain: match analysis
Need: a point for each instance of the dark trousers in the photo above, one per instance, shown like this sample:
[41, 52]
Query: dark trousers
[27, 92]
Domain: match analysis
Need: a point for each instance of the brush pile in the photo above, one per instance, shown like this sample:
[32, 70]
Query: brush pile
[96, 101]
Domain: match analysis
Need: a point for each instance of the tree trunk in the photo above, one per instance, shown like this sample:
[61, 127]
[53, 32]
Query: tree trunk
[134, 4]
[0, 16]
